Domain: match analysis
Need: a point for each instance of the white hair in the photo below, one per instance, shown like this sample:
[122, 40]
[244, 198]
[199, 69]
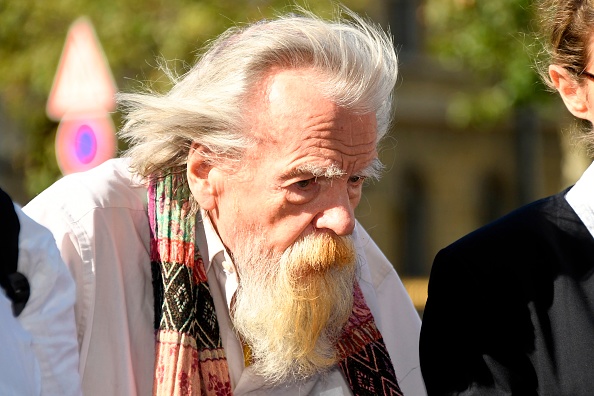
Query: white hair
[355, 57]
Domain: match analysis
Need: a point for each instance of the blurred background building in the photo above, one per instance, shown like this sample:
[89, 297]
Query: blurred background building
[475, 135]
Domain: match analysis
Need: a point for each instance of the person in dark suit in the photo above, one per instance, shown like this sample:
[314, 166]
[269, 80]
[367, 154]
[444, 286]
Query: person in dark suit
[510, 307]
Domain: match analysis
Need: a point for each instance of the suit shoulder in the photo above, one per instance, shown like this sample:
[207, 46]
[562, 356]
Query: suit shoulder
[531, 219]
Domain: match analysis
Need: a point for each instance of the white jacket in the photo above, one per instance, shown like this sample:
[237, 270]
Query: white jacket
[39, 354]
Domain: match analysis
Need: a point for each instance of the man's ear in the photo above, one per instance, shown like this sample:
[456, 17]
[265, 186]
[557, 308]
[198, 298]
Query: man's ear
[571, 92]
[199, 171]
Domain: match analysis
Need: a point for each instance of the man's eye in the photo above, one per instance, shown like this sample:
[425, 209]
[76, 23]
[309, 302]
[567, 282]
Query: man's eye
[356, 179]
[305, 183]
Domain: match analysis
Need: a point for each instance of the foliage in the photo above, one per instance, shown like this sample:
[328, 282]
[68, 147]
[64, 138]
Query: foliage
[493, 42]
[132, 33]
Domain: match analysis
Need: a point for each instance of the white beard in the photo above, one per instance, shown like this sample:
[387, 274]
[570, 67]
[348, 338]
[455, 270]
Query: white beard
[291, 309]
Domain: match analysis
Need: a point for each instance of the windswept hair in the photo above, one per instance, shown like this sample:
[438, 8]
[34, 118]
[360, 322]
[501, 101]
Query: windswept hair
[355, 57]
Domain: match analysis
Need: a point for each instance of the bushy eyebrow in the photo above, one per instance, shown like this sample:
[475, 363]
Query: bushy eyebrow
[373, 171]
[329, 172]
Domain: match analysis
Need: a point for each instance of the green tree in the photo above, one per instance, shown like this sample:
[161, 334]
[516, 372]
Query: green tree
[494, 42]
[132, 33]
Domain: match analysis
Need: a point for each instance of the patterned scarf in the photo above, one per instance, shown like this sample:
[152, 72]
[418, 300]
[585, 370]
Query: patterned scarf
[190, 359]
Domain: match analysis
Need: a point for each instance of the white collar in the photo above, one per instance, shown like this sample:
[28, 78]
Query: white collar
[581, 198]
[213, 242]
[217, 253]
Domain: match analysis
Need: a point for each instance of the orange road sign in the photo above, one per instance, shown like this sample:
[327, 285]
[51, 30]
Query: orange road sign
[83, 81]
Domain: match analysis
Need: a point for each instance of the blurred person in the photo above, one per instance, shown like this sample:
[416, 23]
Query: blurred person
[221, 254]
[39, 354]
[510, 307]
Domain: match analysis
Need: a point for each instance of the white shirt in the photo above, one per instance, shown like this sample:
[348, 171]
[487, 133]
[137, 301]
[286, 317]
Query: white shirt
[581, 198]
[19, 369]
[39, 354]
[99, 219]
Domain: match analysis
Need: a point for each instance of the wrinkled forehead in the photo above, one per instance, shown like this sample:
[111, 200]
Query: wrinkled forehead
[296, 99]
[296, 126]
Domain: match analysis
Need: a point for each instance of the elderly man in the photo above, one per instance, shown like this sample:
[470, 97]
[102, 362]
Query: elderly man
[222, 255]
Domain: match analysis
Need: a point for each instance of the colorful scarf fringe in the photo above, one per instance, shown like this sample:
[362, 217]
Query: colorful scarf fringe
[190, 359]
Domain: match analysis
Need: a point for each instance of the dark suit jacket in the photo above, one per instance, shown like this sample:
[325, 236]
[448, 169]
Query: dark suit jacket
[510, 307]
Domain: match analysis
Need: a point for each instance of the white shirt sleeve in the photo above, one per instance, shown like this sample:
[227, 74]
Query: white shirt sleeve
[48, 315]
[19, 369]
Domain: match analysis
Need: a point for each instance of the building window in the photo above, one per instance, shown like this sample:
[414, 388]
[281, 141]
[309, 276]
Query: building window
[404, 25]
[414, 245]
[492, 199]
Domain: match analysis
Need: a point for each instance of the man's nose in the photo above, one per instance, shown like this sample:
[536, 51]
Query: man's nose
[338, 216]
